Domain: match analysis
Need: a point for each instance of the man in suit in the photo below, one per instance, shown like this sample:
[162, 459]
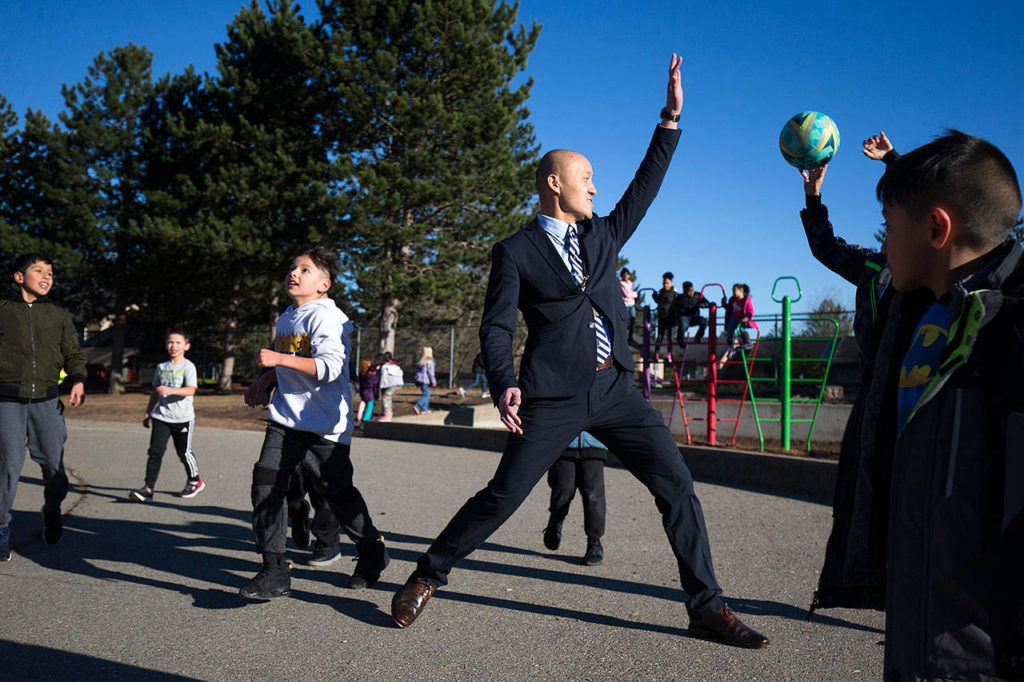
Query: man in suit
[576, 375]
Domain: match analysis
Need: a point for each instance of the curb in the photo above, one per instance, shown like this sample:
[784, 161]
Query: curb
[803, 477]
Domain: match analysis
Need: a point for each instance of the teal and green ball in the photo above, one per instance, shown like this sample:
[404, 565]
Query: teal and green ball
[809, 140]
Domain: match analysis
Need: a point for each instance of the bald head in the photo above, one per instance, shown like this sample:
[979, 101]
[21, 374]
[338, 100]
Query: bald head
[565, 185]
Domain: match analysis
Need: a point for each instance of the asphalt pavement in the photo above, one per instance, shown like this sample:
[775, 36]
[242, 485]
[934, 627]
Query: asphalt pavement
[149, 591]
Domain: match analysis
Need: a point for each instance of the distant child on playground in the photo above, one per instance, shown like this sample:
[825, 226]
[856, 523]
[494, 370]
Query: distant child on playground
[369, 383]
[310, 414]
[929, 510]
[391, 379]
[688, 307]
[37, 340]
[667, 316]
[629, 296]
[479, 377]
[171, 415]
[425, 379]
[739, 312]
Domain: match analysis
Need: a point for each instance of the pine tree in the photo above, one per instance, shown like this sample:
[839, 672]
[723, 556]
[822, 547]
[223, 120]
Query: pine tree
[257, 188]
[431, 143]
[102, 164]
[33, 207]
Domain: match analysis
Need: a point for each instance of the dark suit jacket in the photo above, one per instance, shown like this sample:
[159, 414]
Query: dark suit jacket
[528, 274]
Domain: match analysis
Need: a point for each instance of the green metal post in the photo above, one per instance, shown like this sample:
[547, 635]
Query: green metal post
[787, 358]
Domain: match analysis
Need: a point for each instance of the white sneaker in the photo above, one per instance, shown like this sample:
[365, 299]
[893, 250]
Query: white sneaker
[462, 391]
[485, 394]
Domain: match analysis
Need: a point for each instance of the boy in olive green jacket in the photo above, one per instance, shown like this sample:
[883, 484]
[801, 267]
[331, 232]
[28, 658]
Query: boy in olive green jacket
[37, 341]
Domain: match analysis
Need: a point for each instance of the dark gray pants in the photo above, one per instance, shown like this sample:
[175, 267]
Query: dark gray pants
[41, 426]
[329, 472]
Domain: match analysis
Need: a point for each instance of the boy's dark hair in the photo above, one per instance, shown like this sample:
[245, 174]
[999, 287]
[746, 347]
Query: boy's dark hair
[26, 260]
[179, 330]
[378, 360]
[967, 174]
[322, 258]
[687, 285]
[388, 357]
[668, 275]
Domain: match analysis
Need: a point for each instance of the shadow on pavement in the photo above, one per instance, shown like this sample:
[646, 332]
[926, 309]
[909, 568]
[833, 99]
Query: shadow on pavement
[205, 551]
[30, 662]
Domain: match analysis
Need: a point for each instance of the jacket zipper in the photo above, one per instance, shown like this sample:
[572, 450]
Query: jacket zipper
[32, 350]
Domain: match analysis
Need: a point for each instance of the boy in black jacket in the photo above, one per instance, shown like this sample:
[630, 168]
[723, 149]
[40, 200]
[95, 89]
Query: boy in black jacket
[952, 501]
[37, 341]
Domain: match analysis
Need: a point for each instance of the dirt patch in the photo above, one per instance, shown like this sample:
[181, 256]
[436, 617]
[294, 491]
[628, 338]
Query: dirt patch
[228, 410]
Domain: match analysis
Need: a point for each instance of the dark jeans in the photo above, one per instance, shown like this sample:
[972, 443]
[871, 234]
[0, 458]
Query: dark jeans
[617, 415]
[330, 471]
[325, 526]
[478, 379]
[564, 477]
[687, 321]
[181, 434]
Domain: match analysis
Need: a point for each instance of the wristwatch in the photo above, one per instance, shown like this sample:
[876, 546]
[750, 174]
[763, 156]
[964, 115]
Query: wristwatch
[667, 115]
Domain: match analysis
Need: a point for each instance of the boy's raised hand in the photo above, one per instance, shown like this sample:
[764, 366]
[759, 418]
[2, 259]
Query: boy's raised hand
[813, 180]
[877, 146]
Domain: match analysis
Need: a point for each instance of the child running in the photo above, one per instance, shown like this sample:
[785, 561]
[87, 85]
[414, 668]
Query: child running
[37, 340]
[171, 415]
[310, 413]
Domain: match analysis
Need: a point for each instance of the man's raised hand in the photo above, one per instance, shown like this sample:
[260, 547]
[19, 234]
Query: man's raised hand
[674, 97]
[877, 146]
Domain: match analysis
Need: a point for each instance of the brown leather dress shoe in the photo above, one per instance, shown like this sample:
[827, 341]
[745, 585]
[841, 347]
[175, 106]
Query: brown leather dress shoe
[409, 601]
[724, 626]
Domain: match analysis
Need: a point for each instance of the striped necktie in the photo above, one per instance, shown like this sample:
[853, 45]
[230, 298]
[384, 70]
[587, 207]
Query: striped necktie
[572, 244]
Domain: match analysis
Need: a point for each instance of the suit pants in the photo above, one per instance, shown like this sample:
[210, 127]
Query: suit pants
[570, 473]
[617, 415]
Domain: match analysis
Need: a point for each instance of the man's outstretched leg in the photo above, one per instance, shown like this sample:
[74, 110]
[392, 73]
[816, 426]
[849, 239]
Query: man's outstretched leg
[546, 433]
[636, 433]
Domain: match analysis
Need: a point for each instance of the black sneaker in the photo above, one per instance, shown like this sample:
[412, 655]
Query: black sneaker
[5, 547]
[143, 494]
[324, 555]
[52, 527]
[273, 580]
[370, 563]
[300, 526]
[595, 553]
[553, 536]
[193, 488]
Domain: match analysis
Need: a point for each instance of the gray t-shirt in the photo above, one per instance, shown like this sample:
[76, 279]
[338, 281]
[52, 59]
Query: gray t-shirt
[175, 408]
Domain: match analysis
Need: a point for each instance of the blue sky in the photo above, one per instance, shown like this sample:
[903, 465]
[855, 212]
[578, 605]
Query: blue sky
[728, 210]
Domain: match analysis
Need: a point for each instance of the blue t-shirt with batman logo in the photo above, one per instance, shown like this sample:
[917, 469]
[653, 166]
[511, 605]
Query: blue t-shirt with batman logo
[922, 359]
